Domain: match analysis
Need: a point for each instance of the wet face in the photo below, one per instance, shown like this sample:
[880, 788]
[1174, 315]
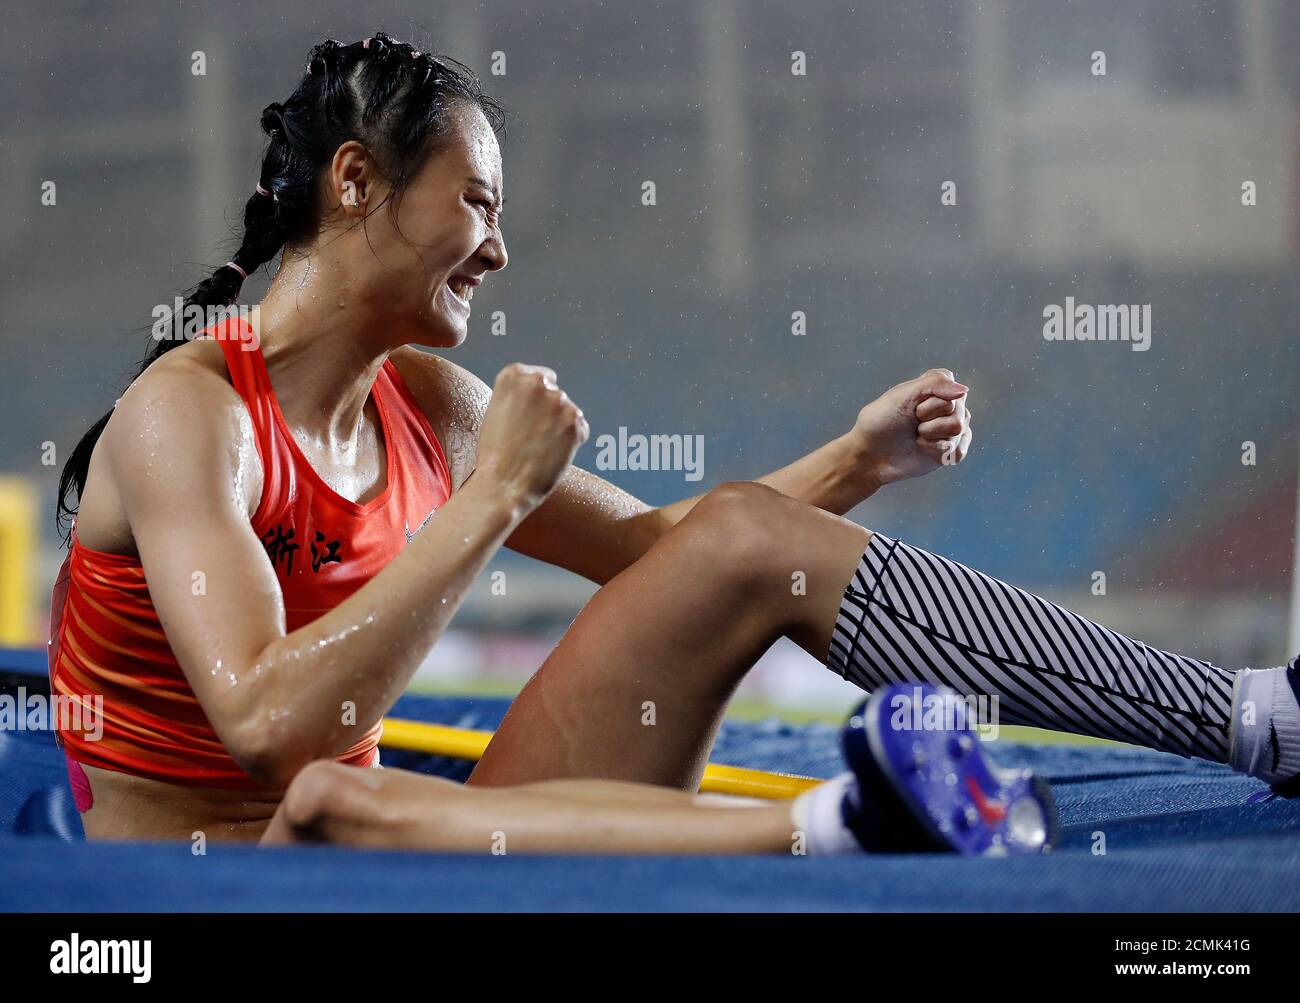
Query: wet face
[446, 240]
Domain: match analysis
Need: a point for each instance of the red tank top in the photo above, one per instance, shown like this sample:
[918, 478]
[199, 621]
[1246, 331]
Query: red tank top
[107, 642]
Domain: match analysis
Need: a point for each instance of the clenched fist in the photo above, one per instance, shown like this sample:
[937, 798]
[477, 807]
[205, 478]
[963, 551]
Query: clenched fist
[914, 427]
[530, 432]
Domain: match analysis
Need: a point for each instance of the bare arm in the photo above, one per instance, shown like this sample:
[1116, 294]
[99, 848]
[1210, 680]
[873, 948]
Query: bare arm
[835, 477]
[594, 529]
[277, 699]
[909, 430]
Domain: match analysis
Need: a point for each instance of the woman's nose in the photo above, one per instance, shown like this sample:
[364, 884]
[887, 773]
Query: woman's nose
[494, 254]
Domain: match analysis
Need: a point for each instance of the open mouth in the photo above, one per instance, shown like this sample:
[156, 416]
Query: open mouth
[462, 289]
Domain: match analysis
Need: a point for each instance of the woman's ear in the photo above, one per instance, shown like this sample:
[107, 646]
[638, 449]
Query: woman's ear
[351, 177]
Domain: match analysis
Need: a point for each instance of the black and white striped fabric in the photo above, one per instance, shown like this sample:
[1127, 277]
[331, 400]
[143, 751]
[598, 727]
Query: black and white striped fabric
[910, 616]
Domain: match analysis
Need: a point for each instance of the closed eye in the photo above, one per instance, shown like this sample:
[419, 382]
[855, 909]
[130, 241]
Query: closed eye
[490, 209]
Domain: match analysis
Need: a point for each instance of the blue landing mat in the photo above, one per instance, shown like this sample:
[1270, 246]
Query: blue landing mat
[1178, 835]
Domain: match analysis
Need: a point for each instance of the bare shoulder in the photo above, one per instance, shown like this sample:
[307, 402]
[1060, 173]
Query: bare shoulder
[439, 385]
[185, 396]
[180, 429]
[452, 398]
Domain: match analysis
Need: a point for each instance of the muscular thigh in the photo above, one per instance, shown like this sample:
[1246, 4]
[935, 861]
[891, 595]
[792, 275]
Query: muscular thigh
[637, 687]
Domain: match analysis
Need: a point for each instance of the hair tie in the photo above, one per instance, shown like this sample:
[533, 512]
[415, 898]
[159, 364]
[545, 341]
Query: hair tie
[230, 264]
[263, 191]
[365, 44]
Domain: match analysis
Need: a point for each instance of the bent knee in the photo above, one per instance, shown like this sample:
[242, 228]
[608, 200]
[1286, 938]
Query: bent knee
[740, 505]
[736, 528]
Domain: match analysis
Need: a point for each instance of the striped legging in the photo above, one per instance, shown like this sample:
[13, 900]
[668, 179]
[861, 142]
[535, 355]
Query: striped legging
[908, 616]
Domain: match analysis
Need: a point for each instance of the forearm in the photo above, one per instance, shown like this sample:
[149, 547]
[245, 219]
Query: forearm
[320, 688]
[596, 530]
[834, 477]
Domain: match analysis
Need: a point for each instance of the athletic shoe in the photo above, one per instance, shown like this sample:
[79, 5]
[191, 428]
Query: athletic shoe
[926, 786]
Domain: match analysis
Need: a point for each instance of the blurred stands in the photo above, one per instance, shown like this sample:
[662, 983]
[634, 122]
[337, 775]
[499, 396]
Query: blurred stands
[776, 193]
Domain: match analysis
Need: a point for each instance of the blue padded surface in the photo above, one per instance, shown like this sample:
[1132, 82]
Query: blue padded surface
[1178, 834]
[36, 874]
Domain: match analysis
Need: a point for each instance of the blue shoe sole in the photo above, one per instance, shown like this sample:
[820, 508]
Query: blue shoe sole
[930, 788]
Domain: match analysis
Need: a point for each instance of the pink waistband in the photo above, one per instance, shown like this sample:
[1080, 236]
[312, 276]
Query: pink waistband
[80, 784]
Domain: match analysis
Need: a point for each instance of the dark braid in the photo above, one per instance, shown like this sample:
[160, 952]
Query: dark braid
[380, 92]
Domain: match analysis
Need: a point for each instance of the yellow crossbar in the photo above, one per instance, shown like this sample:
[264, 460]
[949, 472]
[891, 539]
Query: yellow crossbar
[468, 743]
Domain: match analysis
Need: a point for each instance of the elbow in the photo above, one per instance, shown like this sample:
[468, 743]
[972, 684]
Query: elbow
[262, 731]
[266, 753]
[274, 770]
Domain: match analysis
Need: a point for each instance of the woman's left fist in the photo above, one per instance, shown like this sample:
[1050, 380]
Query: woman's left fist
[914, 427]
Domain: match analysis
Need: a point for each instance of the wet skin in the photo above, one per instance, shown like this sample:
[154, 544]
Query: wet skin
[692, 593]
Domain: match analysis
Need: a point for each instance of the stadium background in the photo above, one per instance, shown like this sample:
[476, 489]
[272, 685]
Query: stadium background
[776, 193]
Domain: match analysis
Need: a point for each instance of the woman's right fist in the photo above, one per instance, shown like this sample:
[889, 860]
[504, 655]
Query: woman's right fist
[530, 432]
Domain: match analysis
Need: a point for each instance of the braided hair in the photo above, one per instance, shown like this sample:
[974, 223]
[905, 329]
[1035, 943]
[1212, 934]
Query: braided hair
[385, 94]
